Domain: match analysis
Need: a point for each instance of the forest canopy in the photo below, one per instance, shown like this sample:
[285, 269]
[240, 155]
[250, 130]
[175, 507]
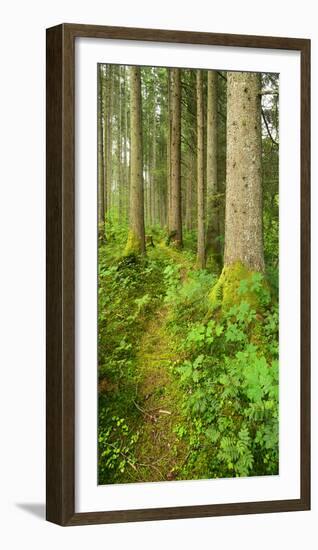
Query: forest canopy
[188, 219]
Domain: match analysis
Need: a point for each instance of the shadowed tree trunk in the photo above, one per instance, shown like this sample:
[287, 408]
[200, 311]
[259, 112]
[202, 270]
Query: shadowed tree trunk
[189, 193]
[105, 132]
[125, 153]
[175, 160]
[200, 173]
[121, 186]
[213, 247]
[109, 152]
[169, 150]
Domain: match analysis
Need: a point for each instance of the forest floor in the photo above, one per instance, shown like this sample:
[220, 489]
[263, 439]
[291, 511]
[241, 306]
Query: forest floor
[154, 408]
[159, 453]
[164, 356]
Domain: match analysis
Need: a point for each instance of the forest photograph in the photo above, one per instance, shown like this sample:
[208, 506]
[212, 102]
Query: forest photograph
[188, 273]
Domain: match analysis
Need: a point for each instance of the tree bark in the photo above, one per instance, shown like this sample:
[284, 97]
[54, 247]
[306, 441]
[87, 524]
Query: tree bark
[101, 166]
[125, 153]
[109, 153]
[189, 193]
[154, 183]
[175, 161]
[213, 247]
[104, 130]
[121, 187]
[169, 151]
[243, 210]
[136, 236]
[201, 195]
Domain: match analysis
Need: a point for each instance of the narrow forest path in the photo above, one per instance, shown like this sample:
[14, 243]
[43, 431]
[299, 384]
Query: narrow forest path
[158, 398]
[147, 401]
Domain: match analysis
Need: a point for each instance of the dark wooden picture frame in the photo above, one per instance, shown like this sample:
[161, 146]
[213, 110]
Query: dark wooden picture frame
[60, 332]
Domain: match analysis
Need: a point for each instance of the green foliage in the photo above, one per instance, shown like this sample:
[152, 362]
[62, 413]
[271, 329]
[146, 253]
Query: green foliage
[230, 380]
[189, 297]
[130, 289]
[116, 446]
[225, 366]
[221, 328]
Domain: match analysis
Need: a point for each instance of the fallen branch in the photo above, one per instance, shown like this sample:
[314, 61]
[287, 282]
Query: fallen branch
[142, 410]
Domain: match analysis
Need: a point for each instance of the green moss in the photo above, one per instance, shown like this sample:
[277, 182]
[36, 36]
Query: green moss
[134, 244]
[225, 292]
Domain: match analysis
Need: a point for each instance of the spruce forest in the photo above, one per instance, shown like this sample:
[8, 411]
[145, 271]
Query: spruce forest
[188, 224]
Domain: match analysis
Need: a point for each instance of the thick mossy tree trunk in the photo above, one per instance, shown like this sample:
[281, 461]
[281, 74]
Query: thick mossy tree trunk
[213, 230]
[201, 257]
[175, 217]
[136, 235]
[243, 253]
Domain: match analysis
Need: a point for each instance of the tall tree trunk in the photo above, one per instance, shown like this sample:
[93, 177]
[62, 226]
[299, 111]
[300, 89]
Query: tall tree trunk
[201, 194]
[149, 172]
[243, 210]
[125, 153]
[105, 124]
[189, 193]
[153, 165]
[119, 151]
[175, 154]
[109, 153]
[169, 151]
[213, 246]
[101, 176]
[136, 236]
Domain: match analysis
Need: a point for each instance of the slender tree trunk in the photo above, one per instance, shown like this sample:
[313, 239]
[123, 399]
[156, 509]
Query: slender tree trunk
[101, 206]
[213, 247]
[243, 210]
[136, 236]
[189, 193]
[148, 172]
[201, 195]
[105, 124]
[169, 151]
[119, 151]
[109, 155]
[128, 142]
[175, 176]
[125, 151]
[153, 166]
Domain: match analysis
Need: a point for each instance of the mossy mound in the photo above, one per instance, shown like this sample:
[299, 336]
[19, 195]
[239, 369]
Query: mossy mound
[134, 244]
[229, 290]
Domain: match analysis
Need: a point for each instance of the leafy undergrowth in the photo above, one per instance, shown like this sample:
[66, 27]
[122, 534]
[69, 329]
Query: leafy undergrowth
[184, 392]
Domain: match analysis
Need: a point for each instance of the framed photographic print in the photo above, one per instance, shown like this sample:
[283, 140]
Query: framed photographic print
[178, 274]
